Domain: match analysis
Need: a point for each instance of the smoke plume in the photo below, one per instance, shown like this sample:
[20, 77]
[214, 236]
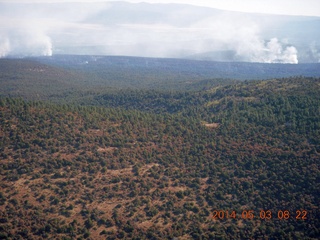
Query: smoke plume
[272, 51]
[150, 30]
[4, 46]
[24, 39]
[315, 52]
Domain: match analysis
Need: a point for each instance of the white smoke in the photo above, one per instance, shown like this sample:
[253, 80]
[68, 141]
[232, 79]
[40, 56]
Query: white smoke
[180, 32]
[242, 35]
[4, 46]
[31, 29]
[31, 43]
[315, 51]
[277, 53]
[26, 44]
[272, 51]
[24, 39]
[37, 44]
[290, 55]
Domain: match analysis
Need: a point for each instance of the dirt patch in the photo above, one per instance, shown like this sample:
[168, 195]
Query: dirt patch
[145, 225]
[184, 237]
[147, 167]
[118, 172]
[240, 223]
[95, 132]
[176, 189]
[108, 149]
[211, 125]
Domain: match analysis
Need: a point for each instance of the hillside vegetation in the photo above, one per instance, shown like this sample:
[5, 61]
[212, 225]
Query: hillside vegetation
[156, 164]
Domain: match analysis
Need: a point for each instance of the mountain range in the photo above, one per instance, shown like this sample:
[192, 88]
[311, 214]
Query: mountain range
[157, 30]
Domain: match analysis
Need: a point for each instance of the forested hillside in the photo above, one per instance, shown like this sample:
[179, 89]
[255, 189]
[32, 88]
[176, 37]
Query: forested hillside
[229, 161]
[36, 81]
[70, 78]
[149, 73]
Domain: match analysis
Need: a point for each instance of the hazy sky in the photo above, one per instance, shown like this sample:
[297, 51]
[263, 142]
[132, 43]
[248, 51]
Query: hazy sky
[290, 7]
[105, 28]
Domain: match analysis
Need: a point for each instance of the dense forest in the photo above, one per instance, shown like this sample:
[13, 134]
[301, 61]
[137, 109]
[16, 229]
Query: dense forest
[219, 160]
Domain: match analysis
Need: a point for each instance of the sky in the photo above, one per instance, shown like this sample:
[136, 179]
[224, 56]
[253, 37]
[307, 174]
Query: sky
[288, 7]
[104, 28]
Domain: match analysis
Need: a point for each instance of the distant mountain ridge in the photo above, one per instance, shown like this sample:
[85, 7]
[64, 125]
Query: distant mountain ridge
[158, 30]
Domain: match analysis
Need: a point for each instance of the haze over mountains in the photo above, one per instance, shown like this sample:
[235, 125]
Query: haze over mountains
[156, 30]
